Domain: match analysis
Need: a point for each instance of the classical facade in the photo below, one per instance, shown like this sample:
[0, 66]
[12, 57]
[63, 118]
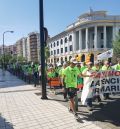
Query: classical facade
[90, 35]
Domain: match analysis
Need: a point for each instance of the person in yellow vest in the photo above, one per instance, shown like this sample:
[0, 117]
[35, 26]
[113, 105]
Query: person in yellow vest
[105, 67]
[70, 75]
[87, 73]
[63, 80]
[117, 66]
[97, 68]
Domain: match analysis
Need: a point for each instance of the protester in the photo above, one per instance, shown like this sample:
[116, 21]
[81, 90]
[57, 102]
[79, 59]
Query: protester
[105, 67]
[97, 68]
[63, 80]
[117, 66]
[70, 75]
[87, 74]
[39, 72]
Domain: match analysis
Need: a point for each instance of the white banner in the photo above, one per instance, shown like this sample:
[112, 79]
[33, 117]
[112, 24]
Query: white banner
[100, 82]
[105, 55]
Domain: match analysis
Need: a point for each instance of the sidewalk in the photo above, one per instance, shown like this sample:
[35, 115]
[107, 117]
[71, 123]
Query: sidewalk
[21, 108]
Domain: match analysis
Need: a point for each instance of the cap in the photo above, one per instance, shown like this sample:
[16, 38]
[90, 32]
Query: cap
[73, 60]
[96, 62]
[89, 63]
[64, 63]
[58, 64]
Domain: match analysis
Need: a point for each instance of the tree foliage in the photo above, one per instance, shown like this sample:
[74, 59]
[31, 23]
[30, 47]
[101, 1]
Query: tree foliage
[47, 53]
[116, 46]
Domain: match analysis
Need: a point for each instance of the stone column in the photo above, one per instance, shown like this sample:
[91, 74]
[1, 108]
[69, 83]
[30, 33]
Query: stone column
[86, 38]
[95, 37]
[74, 42]
[80, 39]
[105, 42]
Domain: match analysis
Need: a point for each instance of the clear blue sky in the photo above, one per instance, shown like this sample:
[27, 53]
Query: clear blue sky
[22, 16]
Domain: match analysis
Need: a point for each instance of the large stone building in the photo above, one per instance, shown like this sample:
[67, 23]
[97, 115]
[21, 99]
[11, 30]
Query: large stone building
[90, 35]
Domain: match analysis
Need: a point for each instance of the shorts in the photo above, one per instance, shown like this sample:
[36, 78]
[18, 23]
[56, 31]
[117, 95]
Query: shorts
[72, 92]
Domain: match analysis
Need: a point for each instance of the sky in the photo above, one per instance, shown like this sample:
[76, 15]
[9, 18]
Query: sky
[22, 16]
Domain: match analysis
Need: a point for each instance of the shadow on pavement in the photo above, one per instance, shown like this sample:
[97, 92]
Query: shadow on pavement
[9, 80]
[4, 124]
[106, 114]
[109, 112]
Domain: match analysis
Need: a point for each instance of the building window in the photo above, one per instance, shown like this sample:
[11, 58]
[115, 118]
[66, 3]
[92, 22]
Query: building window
[65, 58]
[57, 43]
[71, 48]
[61, 50]
[102, 46]
[93, 36]
[57, 51]
[101, 36]
[66, 40]
[61, 41]
[54, 52]
[65, 49]
[51, 52]
[51, 45]
[70, 38]
[54, 44]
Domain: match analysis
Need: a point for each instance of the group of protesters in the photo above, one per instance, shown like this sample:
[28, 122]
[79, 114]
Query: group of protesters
[72, 73]
[29, 72]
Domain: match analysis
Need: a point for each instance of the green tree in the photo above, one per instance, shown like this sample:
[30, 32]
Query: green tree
[8, 57]
[47, 53]
[13, 59]
[21, 59]
[116, 46]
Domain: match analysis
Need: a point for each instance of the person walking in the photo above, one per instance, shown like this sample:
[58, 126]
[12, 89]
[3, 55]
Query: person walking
[70, 75]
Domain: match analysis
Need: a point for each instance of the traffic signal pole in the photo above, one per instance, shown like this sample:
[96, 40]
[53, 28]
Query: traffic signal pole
[42, 50]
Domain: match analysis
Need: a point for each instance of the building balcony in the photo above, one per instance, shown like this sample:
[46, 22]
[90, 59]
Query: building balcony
[92, 50]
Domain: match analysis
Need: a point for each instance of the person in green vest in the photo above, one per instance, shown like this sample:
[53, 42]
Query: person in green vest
[70, 75]
[83, 66]
[29, 70]
[97, 68]
[79, 79]
[106, 67]
[51, 73]
[117, 66]
[63, 81]
[35, 74]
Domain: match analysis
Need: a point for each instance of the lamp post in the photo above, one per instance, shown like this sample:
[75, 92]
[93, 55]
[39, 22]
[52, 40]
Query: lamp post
[4, 49]
[42, 44]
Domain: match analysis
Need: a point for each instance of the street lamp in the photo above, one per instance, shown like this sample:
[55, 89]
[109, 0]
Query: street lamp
[42, 45]
[4, 48]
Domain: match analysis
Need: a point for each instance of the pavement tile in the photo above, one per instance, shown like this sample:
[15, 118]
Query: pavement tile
[25, 110]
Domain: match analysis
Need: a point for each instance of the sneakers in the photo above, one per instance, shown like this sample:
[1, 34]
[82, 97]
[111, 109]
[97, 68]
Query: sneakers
[70, 110]
[66, 99]
[76, 116]
[89, 108]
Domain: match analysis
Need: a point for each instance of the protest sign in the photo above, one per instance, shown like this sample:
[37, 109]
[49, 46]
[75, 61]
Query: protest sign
[100, 82]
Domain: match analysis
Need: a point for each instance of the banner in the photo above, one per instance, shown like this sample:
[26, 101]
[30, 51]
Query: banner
[99, 83]
[105, 55]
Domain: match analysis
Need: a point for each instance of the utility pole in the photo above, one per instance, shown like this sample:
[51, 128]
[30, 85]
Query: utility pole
[42, 47]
